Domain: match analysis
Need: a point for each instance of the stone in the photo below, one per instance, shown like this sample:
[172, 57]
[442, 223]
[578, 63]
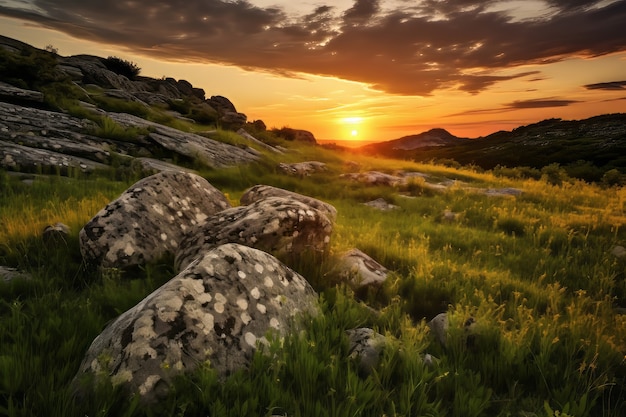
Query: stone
[503, 192]
[439, 326]
[56, 233]
[280, 226]
[215, 313]
[380, 204]
[302, 169]
[260, 192]
[153, 166]
[241, 132]
[149, 220]
[8, 274]
[360, 270]
[366, 346]
[95, 72]
[619, 252]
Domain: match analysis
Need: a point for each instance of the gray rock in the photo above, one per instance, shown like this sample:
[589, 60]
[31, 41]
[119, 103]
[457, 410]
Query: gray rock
[10, 92]
[280, 226]
[366, 347]
[149, 219]
[241, 132]
[360, 270]
[439, 327]
[8, 274]
[302, 169]
[153, 166]
[23, 158]
[95, 72]
[56, 233]
[260, 192]
[619, 252]
[381, 204]
[216, 312]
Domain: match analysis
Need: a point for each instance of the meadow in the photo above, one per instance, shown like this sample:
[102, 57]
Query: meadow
[535, 272]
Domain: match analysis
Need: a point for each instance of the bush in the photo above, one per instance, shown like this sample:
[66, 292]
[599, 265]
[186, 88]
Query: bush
[122, 67]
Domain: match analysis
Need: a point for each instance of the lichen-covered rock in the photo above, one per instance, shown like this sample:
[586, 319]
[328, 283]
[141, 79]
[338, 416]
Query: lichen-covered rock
[280, 226]
[439, 327]
[215, 312]
[149, 219]
[260, 192]
[375, 178]
[381, 204]
[360, 270]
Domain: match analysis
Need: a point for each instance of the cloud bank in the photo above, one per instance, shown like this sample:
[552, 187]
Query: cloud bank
[414, 48]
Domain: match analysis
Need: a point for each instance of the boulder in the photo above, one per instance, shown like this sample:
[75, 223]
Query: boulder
[260, 192]
[302, 169]
[221, 104]
[95, 72]
[214, 313]
[149, 219]
[278, 225]
[360, 270]
[619, 252]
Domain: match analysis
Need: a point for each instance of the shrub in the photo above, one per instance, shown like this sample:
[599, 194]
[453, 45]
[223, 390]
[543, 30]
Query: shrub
[122, 67]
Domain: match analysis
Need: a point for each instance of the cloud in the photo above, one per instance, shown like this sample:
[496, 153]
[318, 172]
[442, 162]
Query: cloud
[414, 49]
[539, 103]
[611, 85]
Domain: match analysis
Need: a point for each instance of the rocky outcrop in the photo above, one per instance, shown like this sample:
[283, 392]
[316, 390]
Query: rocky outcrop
[374, 178]
[216, 312]
[228, 114]
[276, 225]
[211, 152]
[11, 93]
[94, 71]
[260, 192]
[150, 219]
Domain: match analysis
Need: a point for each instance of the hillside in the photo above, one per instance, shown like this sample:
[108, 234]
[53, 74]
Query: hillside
[159, 259]
[587, 148]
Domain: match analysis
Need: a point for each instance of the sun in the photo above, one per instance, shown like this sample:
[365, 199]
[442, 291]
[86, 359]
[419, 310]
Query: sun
[354, 133]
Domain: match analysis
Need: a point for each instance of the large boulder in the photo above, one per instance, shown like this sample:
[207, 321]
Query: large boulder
[280, 226]
[149, 219]
[214, 313]
[260, 192]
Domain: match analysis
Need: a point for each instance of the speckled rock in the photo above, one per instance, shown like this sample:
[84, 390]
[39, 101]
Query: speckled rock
[149, 219]
[260, 192]
[360, 270]
[375, 178]
[216, 312]
[280, 226]
[366, 347]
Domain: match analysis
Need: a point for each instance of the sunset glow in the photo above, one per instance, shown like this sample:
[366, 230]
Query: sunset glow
[366, 69]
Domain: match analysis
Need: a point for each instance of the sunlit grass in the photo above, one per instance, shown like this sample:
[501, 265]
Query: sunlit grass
[534, 271]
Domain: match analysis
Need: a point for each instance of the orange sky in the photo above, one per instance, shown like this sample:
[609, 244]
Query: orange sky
[360, 69]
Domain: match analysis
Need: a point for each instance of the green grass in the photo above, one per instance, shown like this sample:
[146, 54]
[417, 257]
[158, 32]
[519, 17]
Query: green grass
[535, 272]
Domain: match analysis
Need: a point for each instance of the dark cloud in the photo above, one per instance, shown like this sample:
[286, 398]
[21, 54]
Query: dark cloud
[611, 85]
[539, 103]
[417, 49]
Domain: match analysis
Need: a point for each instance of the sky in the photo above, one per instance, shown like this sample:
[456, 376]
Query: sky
[366, 70]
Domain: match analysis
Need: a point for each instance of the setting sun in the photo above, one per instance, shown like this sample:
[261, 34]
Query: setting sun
[354, 133]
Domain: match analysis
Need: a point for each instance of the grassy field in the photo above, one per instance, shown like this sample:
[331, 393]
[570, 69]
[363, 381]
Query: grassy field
[534, 271]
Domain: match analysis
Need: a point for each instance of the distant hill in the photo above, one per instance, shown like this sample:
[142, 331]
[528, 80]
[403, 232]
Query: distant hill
[585, 148]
